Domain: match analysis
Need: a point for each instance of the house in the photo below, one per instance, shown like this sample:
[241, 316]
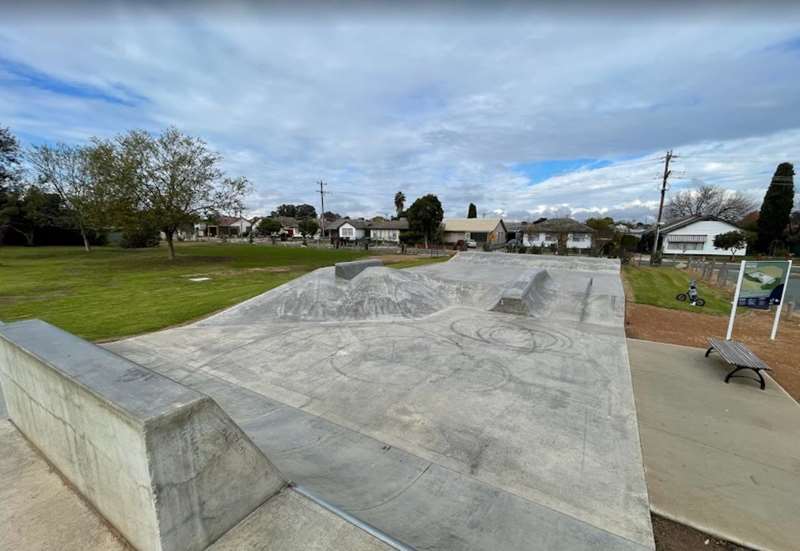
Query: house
[481, 230]
[223, 226]
[694, 235]
[353, 230]
[563, 232]
[387, 230]
[332, 227]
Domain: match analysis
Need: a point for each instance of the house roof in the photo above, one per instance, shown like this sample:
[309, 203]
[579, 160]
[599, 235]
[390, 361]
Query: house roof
[401, 224]
[679, 223]
[334, 224]
[231, 220]
[560, 225]
[479, 225]
[512, 227]
[358, 223]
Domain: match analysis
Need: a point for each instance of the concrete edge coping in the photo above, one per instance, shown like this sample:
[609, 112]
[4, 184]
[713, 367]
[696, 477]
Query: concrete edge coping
[154, 419]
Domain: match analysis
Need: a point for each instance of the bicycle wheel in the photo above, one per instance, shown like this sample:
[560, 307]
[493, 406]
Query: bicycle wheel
[700, 302]
[681, 297]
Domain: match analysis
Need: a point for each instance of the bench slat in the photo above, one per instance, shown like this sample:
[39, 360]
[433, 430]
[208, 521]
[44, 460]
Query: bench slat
[737, 353]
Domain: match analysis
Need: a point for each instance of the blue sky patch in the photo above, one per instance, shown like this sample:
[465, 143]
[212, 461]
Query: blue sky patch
[539, 171]
[14, 73]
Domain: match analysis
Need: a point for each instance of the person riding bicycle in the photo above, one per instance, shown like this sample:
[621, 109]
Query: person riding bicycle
[693, 293]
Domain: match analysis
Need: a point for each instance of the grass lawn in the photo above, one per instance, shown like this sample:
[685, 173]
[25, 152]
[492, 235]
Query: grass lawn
[113, 292]
[658, 287]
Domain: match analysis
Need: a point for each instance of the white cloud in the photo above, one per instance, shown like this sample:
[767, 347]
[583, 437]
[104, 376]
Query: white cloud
[428, 102]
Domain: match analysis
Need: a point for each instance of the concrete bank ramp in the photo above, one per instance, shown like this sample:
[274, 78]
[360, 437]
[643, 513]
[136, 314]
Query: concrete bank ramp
[161, 462]
[374, 293]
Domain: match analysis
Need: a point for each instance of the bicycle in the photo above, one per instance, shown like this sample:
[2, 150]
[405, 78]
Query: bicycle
[691, 295]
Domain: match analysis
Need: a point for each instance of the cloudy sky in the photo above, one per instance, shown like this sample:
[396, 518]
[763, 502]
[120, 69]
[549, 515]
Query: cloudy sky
[524, 111]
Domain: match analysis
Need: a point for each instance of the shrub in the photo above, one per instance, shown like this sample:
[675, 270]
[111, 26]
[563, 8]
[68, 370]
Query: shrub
[140, 237]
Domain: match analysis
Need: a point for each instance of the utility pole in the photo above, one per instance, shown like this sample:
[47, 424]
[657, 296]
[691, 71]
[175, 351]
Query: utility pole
[322, 193]
[664, 179]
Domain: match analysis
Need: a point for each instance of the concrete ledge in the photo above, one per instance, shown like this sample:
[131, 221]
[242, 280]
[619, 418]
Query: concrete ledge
[161, 462]
[349, 270]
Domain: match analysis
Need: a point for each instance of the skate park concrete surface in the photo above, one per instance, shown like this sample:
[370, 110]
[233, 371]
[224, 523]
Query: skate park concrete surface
[722, 458]
[481, 403]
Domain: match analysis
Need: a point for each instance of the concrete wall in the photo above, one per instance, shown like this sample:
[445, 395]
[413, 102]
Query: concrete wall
[161, 462]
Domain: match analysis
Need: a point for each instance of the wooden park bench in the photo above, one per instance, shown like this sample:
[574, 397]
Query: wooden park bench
[739, 356]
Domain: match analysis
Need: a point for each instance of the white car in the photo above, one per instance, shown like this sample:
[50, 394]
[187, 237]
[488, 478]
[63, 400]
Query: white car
[471, 243]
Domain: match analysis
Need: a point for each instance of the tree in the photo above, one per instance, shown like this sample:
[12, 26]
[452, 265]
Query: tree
[773, 218]
[284, 210]
[9, 158]
[732, 240]
[709, 201]
[399, 202]
[175, 179]
[425, 216]
[472, 211]
[307, 227]
[268, 226]
[331, 216]
[304, 211]
[67, 170]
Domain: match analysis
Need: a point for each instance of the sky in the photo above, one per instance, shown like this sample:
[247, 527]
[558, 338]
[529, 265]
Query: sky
[522, 109]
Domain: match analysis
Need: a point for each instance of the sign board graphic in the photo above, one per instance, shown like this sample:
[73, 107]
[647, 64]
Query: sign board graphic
[761, 284]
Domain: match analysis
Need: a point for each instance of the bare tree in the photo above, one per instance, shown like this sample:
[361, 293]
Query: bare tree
[66, 170]
[710, 201]
[176, 179]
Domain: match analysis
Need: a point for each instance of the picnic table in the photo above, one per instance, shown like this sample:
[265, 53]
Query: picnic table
[739, 356]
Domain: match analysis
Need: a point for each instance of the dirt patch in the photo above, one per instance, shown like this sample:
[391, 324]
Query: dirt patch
[752, 328]
[671, 536]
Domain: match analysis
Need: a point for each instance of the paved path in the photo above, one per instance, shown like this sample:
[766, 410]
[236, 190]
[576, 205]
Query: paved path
[723, 458]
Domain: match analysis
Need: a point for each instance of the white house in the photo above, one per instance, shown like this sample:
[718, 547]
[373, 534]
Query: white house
[694, 235]
[554, 231]
[387, 230]
[481, 230]
[352, 230]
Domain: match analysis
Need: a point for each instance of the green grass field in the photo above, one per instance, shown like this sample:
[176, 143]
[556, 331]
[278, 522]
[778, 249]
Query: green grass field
[113, 292]
[659, 286]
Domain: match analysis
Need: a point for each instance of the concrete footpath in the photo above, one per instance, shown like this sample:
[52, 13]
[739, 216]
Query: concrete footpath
[722, 458]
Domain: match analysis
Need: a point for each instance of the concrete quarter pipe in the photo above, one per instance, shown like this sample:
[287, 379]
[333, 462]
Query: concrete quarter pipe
[485, 402]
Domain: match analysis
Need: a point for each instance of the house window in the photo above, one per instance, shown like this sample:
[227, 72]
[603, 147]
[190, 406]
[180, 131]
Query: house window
[551, 237]
[346, 232]
[686, 242]
[580, 237]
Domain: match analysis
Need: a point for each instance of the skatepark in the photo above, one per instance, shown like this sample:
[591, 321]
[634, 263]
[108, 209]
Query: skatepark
[484, 402]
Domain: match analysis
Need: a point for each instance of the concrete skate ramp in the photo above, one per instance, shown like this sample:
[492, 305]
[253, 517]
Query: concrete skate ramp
[465, 429]
[349, 270]
[376, 293]
[161, 462]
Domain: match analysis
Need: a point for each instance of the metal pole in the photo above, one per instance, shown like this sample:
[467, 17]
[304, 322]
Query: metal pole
[780, 306]
[735, 300]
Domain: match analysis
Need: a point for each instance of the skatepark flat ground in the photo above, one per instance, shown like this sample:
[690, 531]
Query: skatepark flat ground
[461, 428]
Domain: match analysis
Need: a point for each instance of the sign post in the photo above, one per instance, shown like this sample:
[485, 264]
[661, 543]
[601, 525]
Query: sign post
[780, 304]
[735, 303]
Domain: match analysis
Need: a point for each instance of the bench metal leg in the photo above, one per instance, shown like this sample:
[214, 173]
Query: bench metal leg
[709, 351]
[757, 372]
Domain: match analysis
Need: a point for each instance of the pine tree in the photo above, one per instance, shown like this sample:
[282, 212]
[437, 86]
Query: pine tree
[472, 212]
[776, 208]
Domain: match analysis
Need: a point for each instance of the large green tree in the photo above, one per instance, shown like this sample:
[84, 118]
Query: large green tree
[67, 170]
[171, 178]
[425, 216]
[776, 208]
[9, 158]
[268, 226]
[472, 211]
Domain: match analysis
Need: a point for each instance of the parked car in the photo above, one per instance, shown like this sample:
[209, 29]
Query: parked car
[471, 243]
